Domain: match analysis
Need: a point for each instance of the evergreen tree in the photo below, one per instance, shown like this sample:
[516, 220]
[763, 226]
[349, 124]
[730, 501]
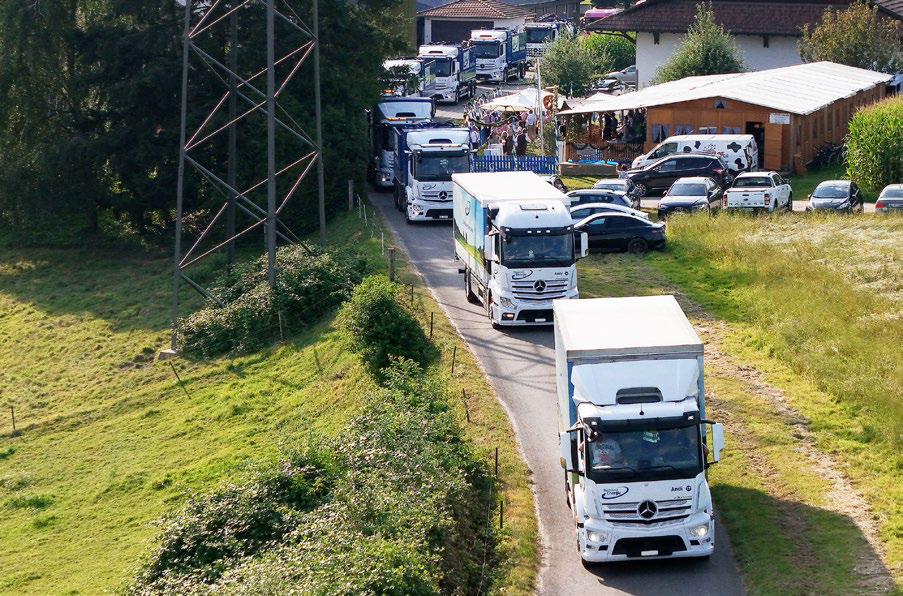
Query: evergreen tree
[856, 36]
[706, 50]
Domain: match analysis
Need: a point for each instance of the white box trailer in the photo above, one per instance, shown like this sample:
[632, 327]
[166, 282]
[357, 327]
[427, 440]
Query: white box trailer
[631, 405]
[514, 240]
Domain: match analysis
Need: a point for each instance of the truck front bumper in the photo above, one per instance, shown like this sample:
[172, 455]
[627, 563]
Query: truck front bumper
[427, 211]
[492, 76]
[445, 95]
[663, 542]
[518, 314]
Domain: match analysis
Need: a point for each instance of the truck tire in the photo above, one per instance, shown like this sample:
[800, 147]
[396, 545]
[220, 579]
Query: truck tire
[468, 288]
[457, 99]
[637, 246]
[505, 76]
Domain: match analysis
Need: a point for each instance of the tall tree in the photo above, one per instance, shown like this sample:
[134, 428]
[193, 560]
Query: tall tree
[855, 36]
[706, 50]
[572, 65]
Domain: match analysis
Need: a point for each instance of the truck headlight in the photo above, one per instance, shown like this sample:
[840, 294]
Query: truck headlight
[507, 303]
[700, 531]
[597, 537]
[416, 209]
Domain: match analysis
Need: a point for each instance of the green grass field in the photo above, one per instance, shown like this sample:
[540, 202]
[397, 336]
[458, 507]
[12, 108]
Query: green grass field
[801, 316]
[108, 440]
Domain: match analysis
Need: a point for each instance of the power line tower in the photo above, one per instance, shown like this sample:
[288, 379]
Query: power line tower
[242, 213]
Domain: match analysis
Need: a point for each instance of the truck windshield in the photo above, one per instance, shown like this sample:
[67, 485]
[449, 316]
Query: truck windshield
[642, 455]
[487, 49]
[538, 251]
[538, 35]
[439, 168]
[442, 68]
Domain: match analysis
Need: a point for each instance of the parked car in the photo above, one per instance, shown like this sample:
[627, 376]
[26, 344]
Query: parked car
[624, 185]
[622, 232]
[661, 174]
[690, 194]
[890, 199]
[759, 191]
[609, 86]
[581, 212]
[629, 75]
[740, 153]
[592, 195]
[836, 195]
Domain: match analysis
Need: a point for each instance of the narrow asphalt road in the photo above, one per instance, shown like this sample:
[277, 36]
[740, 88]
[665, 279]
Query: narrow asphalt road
[520, 366]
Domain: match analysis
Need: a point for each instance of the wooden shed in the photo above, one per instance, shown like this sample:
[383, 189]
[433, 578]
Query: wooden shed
[791, 111]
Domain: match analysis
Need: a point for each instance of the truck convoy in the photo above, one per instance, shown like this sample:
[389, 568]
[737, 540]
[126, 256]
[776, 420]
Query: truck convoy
[426, 157]
[632, 426]
[541, 34]
[500, 53]
[454, 70]
[515, 244]
[385, 117]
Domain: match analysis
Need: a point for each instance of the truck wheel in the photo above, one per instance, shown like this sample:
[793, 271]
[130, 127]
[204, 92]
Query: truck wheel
[637, 246]
[468, 288]
[457, 96]
[505, 75]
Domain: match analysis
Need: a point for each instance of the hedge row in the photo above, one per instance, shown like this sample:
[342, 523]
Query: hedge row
[397, 505]
[875, 145]
[310, 283]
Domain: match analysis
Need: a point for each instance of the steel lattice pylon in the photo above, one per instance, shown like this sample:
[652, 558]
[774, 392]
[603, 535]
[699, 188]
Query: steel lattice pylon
[200, 18]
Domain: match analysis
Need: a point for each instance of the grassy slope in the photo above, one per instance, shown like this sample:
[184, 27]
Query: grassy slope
[820, 321]
[110, 440]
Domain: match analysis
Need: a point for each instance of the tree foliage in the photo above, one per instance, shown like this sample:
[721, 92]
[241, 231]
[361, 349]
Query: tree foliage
[89, 109]
[706, 50]
[572, 65]
[856, 36]
[615, 50]
[875, 145]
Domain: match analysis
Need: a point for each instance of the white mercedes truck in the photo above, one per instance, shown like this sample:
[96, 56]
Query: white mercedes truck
[632, 426]
[515, 245]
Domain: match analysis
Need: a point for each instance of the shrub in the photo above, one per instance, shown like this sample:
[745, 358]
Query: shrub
[614, 50]
[310, 282]
[402, 511]
[874, 146]
[381, 328]
[572, 65]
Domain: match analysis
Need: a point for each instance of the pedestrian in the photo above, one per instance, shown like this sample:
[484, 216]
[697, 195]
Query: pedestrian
[474, 138]
[507, 144]
[520, 143]
[531, 124]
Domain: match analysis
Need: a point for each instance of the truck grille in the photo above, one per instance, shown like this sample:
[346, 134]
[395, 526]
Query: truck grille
[434, 196]
[540, 291]
[665, 512]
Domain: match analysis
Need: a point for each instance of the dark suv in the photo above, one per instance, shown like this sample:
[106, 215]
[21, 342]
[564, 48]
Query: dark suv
[660, 175]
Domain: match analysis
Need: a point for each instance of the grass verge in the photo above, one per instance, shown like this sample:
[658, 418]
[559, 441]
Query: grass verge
[806, 378]
[109, 440]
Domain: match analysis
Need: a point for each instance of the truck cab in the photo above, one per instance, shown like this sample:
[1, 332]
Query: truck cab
[516, 246]
[407, 69]
[541, 34]
[633, 429]
[499, 53]
[454, 69]
[426, 157]
[386, 116]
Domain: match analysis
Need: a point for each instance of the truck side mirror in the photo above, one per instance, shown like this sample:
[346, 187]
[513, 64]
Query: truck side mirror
[568, 452]
[489, 247]
[717, 441]
[584, 244]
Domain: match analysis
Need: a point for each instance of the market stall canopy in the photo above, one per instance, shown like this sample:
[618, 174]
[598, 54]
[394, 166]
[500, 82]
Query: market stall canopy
[801, 89]
[524, 100]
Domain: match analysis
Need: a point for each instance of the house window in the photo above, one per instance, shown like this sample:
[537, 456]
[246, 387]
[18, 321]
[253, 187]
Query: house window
[730, 130]
[660, 132]
[709, 130]
[720, 104]
[683, 129]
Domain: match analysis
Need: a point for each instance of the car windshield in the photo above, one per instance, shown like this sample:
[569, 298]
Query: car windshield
[610, 185]
[757, 182]
[594, 198]
[892, 193]
[538, 35]
[442, 68]
[439, 168]
[831, 192]
[538, 251]
[642, 455]
[486, 49]
[687, 190]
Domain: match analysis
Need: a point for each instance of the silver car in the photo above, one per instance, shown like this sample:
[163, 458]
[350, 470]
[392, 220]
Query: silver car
[629, 75]
[890, 200]
[581, 212]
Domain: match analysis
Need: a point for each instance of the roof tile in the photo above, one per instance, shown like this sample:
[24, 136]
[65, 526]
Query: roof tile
[491, 9]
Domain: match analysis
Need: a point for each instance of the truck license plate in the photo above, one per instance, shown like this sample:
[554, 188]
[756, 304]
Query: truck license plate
[444, 216]
[540, 320]
[648, 553]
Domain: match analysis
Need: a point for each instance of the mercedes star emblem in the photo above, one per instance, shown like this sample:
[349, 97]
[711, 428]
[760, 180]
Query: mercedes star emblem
[443, 195]
[540, 286]
[647, 509]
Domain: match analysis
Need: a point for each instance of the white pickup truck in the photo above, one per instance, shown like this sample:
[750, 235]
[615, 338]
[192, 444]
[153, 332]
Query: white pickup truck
[759, 191]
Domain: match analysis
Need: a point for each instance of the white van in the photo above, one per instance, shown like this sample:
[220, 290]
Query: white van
[739, 152]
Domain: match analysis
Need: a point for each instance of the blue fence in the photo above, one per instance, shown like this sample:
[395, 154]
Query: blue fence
[541, 164]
